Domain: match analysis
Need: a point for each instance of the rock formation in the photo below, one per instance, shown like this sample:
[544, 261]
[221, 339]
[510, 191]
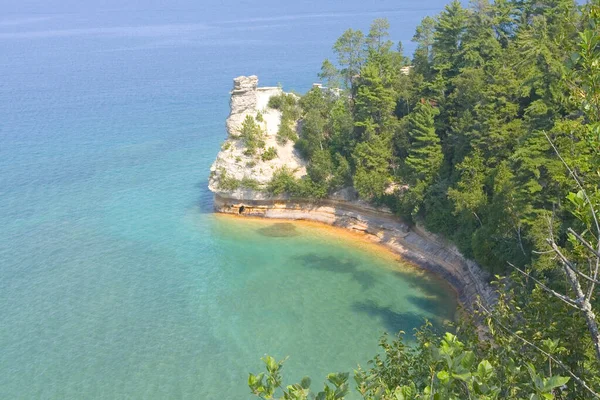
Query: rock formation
[249, 99]
[342, 209]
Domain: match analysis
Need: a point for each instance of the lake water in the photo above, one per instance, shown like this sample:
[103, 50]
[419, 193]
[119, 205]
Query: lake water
[116, 280]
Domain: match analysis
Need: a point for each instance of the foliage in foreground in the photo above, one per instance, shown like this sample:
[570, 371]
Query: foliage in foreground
[436, 368]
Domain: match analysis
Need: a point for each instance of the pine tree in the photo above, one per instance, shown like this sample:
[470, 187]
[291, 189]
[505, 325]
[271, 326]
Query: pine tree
[375, 100]
[469, 195]
[425, 153]
[449, 31]
[330, 74]
[377, 41]
[372, 159]
[423, 56]
[349, 49]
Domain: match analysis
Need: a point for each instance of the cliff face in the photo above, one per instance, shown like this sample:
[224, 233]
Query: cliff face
[342, 209]
[247, 99]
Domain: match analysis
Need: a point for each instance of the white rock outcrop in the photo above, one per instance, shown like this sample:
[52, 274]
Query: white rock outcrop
[249, 99]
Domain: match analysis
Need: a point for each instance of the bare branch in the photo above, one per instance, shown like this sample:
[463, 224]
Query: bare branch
[542, 252]
[566, 299]
[584, 242]
[568, 264]
[576, 178]
[558, 362]
[593, 284]
[521, 240]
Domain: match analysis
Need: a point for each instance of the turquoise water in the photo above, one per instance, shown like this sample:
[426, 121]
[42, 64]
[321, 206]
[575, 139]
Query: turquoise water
[116, 280]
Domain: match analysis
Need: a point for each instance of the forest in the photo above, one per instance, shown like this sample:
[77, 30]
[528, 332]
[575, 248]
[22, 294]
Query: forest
[489, 136]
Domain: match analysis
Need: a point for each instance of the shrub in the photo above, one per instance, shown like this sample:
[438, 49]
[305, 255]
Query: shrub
[283, 181]
[290, 113]
[269, 154]
[286, 132]
[275, 102]
[287, 104]
[252, 136]
[307, 188]
[250, 183]
[227, 182]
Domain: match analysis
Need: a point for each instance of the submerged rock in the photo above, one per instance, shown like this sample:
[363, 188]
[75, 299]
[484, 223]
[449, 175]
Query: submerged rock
[280, 229]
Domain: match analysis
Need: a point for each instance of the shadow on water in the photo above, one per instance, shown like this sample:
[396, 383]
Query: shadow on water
[333, 264]
[393, 321]
[435, 296]
[433, 305]
[205, 201]
[280, 229]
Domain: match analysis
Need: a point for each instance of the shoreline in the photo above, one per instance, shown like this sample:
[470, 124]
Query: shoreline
[365, 241]
[413, 244]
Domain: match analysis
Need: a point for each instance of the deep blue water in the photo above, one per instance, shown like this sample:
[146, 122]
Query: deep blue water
[116, 280]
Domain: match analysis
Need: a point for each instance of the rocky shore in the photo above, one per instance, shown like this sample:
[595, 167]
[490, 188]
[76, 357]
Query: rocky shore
[342, 210]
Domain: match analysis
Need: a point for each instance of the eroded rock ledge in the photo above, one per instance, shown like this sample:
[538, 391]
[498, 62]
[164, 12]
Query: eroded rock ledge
[343, 209]
[412, 243]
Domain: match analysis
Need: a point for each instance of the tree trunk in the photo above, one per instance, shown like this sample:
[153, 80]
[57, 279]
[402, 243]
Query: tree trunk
[585, 307]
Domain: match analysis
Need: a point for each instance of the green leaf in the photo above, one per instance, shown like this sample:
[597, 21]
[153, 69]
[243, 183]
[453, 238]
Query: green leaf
[468, 359]
[465, 376]
[341, 391]
[338, 379]
[485, 371]
[554, 382]
[443, 376]
[272, 365]
[305, 382]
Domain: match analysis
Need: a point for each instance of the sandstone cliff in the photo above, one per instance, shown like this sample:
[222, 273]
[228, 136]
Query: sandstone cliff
[342, 209]
[247, 99]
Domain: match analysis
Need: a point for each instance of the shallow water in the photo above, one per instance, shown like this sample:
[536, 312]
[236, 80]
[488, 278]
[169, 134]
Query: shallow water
[116, 280]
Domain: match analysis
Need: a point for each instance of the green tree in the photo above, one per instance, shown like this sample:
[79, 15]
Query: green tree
[449, 31]
[371, 158]
[469, 196]
[252, 136]
[374, 101]
[349, 49]
[312, 137]
[330, 74]
[377, 41]
[425, 153]
[423, 56]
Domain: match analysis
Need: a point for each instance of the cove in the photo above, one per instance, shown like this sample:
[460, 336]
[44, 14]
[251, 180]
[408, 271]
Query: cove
[319, 294]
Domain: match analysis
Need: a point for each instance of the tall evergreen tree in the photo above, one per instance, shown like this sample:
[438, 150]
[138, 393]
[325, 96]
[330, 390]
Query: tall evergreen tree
[425, 153]
[372, 159]
[449, 31]
[349, 49]
[375, 100]
[423, 56]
